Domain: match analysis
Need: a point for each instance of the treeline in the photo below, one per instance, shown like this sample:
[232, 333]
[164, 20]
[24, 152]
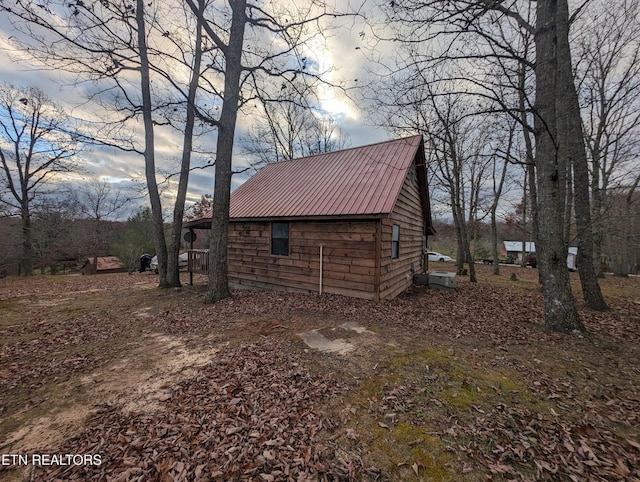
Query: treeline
[619, 248]
[63, 240]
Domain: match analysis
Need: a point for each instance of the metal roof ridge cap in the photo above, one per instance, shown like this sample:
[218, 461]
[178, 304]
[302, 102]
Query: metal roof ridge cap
[388, 141]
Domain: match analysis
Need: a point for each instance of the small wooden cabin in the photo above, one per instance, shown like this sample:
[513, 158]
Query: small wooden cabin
[352, 222]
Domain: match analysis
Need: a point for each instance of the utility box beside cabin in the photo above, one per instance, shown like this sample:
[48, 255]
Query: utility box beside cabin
[442, 280]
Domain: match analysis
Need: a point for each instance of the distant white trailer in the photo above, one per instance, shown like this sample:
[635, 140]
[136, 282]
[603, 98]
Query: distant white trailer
[571, 258]
[514, 248]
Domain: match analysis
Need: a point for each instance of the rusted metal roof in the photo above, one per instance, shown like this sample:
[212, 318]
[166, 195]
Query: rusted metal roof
[359, 181]
[107, 263]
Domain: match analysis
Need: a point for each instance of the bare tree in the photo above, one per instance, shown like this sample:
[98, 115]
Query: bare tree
[570, 144]
[290, 127]
[500, 161]
[460, 142]
[37, 142]
[54, 236]
[133, 56]
[551, 170]
[460, 167]
[136, 54]
[471, 35]
[99, 201]
[609, 74]
[248, 59]
[200, 208]
[192, 114]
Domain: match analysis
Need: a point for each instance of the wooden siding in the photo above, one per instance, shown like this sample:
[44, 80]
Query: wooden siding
[396, 275]
[349, 257]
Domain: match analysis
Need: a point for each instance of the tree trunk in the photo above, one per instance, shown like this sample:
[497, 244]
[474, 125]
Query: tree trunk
[218, 265]
[462, 239]
[523, 261]
[530, 175]
[559, 304]
[173, 268]
[497, 193]
[460, 258]
[26, 263]
[568, 204]
[624, 245]
[571, 141]
[494, 242]
[597, 215]
[597, 210]
[533, 196]
[149, 149]
[461, 233]
[469, 255]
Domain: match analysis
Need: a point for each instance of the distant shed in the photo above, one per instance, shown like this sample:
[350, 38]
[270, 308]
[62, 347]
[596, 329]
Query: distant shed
[514, 249]
[351, 222]
[102, 265]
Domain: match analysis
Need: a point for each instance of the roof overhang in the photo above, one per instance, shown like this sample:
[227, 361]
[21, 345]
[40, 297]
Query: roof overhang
[207, 222]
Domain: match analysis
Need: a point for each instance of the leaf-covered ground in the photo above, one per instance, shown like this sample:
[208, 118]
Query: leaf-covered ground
[452, 386]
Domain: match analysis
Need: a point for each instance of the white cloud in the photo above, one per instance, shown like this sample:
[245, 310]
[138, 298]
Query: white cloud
[336, 53]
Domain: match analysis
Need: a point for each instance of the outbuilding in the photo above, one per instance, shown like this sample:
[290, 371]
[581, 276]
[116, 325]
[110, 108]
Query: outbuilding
[353, 222]
[514, 249]
[102, 265]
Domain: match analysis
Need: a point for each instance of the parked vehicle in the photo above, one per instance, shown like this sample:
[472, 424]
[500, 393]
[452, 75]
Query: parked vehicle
[571, 259]
[145, 262]
[435, 256]
[183, 261]
[508, 260]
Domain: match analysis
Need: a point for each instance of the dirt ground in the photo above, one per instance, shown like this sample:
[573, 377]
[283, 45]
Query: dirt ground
[110, 378]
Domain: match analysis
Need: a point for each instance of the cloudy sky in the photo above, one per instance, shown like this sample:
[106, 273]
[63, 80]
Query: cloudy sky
[338, 52]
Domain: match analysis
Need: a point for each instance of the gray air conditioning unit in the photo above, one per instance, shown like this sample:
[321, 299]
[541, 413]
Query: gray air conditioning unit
[442, 280]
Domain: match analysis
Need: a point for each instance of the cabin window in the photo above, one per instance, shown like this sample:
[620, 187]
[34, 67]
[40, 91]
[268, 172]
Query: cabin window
[395, 242]
[280, 239]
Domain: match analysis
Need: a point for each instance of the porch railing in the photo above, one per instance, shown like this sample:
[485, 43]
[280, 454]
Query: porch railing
[199, 261]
